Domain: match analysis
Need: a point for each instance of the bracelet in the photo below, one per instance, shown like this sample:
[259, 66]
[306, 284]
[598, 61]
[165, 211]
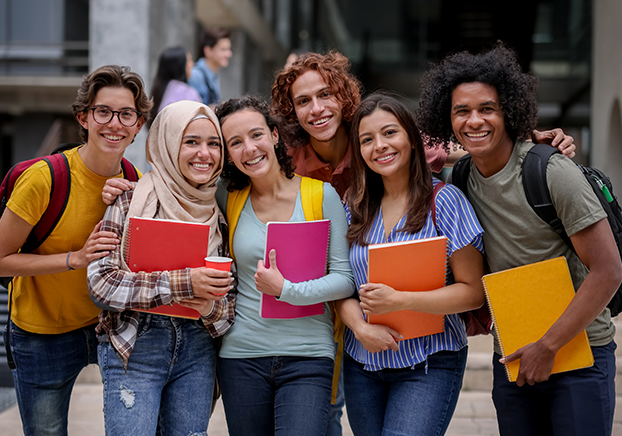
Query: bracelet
[67, 262]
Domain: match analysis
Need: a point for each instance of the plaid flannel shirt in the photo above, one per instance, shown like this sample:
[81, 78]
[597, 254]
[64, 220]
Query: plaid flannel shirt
[121, 291]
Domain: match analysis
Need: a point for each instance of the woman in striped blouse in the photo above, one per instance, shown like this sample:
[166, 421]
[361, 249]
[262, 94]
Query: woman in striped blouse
[407, 387]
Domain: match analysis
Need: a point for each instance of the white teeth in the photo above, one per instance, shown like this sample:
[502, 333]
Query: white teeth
[476, 135]
[254, 161]
[201, 166]
[113, 138]
[322, 121]
[382, 159]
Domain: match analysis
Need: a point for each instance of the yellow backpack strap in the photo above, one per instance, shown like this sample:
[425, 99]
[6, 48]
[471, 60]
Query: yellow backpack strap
[312, 198]
[235, 204]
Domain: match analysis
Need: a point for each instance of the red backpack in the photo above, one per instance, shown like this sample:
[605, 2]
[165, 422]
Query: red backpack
[59, 194]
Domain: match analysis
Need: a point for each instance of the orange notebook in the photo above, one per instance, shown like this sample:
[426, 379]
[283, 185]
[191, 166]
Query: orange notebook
[166, 245]
[525, 302]
[418, 265]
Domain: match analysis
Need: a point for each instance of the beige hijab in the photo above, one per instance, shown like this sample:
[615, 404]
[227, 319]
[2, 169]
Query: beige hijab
[164, 192]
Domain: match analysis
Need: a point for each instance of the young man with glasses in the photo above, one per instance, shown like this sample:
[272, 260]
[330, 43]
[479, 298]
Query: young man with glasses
[52, 328]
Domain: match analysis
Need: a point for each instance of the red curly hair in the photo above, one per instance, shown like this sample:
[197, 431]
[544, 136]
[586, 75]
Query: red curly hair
[335, 70]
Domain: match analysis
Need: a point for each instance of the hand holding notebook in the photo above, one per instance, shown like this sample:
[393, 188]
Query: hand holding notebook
[269, 281]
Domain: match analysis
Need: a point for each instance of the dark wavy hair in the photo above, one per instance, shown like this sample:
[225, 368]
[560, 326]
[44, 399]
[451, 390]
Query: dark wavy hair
[209, 37]
[335, 70]
[236, 178]
[366, 186]
[497, 67]
[113, 76]
[171, 66]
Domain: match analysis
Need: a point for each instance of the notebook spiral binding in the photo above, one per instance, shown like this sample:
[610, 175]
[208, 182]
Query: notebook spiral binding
[128, 241]
[494, 326]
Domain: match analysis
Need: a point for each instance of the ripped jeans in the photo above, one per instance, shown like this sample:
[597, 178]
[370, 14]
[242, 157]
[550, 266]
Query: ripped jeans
[169, 381]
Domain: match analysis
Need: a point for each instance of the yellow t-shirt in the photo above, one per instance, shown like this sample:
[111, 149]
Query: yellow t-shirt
[57, 303]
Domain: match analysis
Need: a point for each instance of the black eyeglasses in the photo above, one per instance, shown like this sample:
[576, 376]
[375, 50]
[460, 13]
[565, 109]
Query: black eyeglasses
[103, 115]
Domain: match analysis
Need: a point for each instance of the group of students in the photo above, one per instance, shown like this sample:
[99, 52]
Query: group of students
[248, 163]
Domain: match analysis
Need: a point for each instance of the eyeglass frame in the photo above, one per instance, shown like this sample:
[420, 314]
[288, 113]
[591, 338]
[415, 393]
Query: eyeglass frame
[117, 113]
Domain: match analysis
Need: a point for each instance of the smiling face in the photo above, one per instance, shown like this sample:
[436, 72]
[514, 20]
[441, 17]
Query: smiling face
[218, 56]
[479, 125]
[199, 154]
[113, 137]
[317, 108]
[384, 144]
[250, 143]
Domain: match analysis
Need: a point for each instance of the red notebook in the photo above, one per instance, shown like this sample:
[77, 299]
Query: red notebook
[418, 265]
[166, 245]
[301, 254]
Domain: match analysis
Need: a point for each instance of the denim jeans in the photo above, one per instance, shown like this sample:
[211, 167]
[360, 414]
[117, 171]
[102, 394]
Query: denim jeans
[404, 401]
[574, 403]
[280, 396]
[47, 368]
[169, 378]
[335, 411]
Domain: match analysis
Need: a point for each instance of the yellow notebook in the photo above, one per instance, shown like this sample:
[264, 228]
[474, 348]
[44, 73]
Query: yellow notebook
[525, 302]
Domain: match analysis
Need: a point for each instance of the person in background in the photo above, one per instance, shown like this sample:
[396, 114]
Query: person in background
[216, 46]
[293, 57]
[275, 374]
[152, 365]
[170, 82]
[393, 384]
[52, 327]
[488, 104]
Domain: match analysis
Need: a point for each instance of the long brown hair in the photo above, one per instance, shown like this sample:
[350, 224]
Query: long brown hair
[366, 186]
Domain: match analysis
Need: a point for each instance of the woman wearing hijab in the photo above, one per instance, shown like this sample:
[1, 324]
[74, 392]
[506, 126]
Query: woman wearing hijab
[154, 366]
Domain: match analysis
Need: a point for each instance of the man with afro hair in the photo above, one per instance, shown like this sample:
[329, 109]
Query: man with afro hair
[488, 104]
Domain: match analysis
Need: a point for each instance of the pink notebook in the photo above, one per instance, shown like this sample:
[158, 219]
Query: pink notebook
[166, 245]
[301, 254]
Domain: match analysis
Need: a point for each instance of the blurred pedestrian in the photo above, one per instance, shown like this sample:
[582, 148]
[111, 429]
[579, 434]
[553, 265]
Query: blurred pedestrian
[170, 83]
[216, 47]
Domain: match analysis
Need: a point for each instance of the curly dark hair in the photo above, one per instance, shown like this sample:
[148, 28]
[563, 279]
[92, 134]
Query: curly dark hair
[335, 70]
[236, 178]
[497, 67]
[113, 76]
[366, 187]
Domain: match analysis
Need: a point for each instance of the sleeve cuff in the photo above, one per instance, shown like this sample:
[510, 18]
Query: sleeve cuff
[181, 285]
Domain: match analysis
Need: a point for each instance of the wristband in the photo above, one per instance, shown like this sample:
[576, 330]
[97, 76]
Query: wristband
[67, 262]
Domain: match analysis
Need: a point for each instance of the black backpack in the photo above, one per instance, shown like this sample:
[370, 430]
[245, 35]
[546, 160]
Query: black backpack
[539, 198]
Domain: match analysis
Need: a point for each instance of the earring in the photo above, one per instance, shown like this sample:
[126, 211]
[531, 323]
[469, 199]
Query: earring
[276, 145]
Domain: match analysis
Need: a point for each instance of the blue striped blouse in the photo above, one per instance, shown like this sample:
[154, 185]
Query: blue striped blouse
[455, 219]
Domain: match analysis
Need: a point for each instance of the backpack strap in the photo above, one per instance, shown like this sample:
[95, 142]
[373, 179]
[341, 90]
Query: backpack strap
[459, 176]
[59, 195]
[235, 204]
[312, 198]
[537, 190]
[437, 188]
[129, 171]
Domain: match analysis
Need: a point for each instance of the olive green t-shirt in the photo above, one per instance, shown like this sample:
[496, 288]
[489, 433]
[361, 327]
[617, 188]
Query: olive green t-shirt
[514, 235]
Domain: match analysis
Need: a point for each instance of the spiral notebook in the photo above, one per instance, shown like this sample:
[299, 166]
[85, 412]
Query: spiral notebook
[301, 255]
[166, 245]
[525, 302]
[417, 265]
